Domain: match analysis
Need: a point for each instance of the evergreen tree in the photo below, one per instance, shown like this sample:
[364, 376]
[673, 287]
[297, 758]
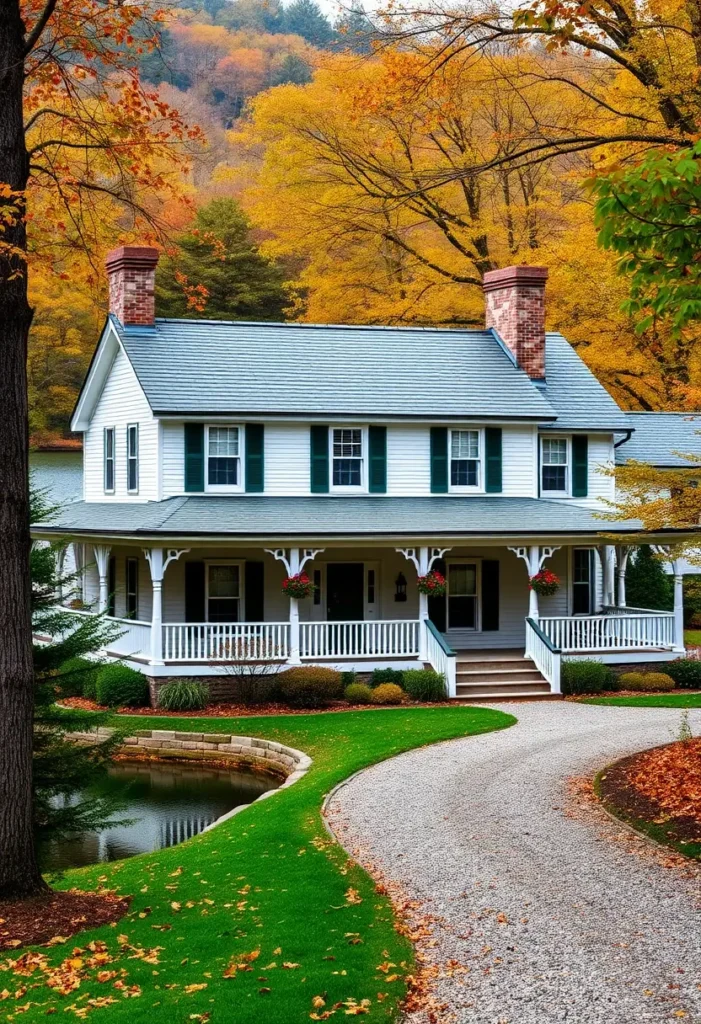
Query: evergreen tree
[305, 18]
[355, 31]
[61, 768]
[647, 584]
[221, 269]
[294, 70]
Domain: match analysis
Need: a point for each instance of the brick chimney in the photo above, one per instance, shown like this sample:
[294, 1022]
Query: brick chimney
[131, 270]
[514, 300]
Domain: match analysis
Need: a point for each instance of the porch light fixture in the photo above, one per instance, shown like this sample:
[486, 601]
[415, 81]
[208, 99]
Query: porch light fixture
[400, 588]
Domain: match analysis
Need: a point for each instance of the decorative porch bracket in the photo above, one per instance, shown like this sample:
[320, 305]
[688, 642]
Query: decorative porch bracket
[294, 564]
[423, 558]
[534, 556]
[102, 560]
[668, 554]
[158, 563]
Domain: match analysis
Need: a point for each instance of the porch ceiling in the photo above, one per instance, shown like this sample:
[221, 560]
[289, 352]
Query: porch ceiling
[243, 517]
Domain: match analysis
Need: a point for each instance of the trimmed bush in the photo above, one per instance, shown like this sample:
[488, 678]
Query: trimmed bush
[425, 684]
[649, 681]
[585, 676]
[120, 686]
[183, 695]
[358, 693]
[631, 680]
[686, 672]
[388, 693]
[348, 678]
[387, 675]
[77, 677]
[310, 686]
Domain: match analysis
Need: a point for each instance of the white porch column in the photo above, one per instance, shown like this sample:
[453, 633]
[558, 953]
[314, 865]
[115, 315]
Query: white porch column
[61, 553]
[604, 552]
[79, 559]
[622, 554]
[294, 563]
[102, 560]
[423, 559]
[678, 605]
[533, 568]
[158, 563]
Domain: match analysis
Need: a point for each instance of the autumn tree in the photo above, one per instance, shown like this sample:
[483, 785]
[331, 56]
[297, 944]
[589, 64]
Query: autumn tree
[216, 270]
[77, 130]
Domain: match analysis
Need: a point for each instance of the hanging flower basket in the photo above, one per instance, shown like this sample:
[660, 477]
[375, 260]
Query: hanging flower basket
[544, 583]
[433, 584]
[299, 586]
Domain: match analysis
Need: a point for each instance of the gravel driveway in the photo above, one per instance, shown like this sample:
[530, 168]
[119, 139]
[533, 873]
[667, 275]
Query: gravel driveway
[547, 911]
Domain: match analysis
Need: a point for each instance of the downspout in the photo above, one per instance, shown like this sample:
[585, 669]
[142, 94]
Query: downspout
[624, 440]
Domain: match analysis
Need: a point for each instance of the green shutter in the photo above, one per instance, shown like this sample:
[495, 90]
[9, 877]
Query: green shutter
[194, 457]
[492, 454]
[580, 466]
[254, 575]
[194, 592]
[255, 457]
[439, 460]
[490, 595]
[319, 459]
[377, 460]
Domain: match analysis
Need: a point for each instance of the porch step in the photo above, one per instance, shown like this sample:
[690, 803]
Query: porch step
[494, 689]
[526, 671]
[505, 695]
[498, 675]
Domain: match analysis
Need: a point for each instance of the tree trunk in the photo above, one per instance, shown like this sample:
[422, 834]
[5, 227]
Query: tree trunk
[19, 872]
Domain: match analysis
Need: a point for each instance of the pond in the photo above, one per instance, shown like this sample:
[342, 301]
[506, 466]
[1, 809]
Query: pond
[165, 804]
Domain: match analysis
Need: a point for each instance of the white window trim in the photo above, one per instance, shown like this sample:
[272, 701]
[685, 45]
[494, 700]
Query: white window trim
[477, 562]
[350, 488]
[209, 562]
[105, 431]
[567, 493]
[130, 458]
[225, 488]
[477, 488]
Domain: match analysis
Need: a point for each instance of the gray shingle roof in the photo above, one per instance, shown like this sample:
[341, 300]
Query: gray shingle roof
[370, 516]
[658, 435]
[198, 367]
[581, 402]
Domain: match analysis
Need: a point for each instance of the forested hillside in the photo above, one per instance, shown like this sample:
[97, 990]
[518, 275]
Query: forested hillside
[365, 173]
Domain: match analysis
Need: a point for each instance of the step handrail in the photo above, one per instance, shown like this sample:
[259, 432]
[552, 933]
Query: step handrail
[543, 636]
[546, 657]
[440, 639]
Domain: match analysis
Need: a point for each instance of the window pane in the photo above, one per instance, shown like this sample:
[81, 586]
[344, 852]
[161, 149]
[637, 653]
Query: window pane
[462, 612]
[347, 472]
[132, 436]
[463, 473]
[224, 442]
[348, 444]
[464, 444]
[462, 580]
[223, 581]
[223, 472]
[554, 451]
[109, 443]
[223, 610]
[554, 478]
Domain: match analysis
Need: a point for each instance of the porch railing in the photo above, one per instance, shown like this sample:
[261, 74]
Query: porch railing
[226, 641]
[133, 639]
[388, 638]
[545, 655]
[441, 657]
[625, 631]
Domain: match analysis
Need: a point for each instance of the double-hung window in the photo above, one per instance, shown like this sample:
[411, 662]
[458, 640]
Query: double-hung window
[554, 466]
[132, 588]
[347, 456]
[108, 460]
[464, 458]
[133, 458]
[224, 457]
[224, 592]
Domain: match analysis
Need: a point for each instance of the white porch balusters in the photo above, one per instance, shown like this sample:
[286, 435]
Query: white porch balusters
[622, 555]
[294, 564]
[102, 560]
[158, 563]
[534, 557]
[424, 559]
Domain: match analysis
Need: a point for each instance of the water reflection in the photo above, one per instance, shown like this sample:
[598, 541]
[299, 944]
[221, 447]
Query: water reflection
[165, 804]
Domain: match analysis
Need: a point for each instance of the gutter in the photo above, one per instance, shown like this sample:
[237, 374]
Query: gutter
[626, 439]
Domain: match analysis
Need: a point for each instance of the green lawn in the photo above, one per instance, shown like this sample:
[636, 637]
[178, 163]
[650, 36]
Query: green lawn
[692, 637]
[267, 890]
[677, 699]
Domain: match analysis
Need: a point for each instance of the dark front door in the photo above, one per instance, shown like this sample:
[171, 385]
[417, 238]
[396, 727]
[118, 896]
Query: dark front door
[582, 581]
[344, 591]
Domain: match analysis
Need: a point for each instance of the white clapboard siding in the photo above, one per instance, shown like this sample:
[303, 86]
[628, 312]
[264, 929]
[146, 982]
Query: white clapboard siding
[122, 402]
[408, 459]
[519, 462]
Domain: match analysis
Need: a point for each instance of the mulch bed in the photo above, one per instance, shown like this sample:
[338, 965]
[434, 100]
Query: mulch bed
[52, 917]
[225, 710]
[661, 786]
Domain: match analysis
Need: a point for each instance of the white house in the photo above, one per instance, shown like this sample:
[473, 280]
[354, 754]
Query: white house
[220, 457]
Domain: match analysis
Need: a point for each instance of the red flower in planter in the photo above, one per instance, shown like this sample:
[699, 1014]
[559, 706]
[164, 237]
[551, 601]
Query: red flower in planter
[299, 586]
[433, 584]
[544, 583]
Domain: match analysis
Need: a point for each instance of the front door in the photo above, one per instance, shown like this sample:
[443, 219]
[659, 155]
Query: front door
[462, 595]
[582, 581]
[344, 591]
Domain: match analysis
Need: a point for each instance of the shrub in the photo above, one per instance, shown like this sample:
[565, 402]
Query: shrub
[77, 677]
[348, 678]
[358, 693]
[387, 675]
[183, 695]
[121, 686]
[686, 672]
[585, 676]
[388, 693]
[310, 686]
[649, 681]
[425, 684]
[631, 680]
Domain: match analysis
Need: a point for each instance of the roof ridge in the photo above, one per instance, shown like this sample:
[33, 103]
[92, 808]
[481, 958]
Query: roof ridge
[323, 327]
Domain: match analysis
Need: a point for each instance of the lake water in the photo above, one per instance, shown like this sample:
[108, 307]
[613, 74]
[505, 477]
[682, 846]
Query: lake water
[61, 473]
[165, 803]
